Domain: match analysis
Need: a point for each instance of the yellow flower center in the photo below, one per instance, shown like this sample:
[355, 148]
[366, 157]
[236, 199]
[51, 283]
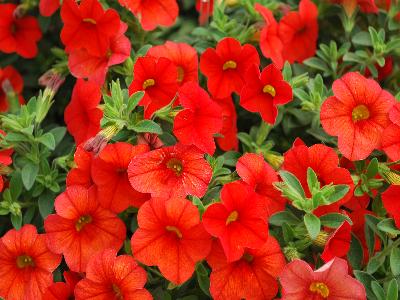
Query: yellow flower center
[233, 216]
[174, 230]
[90, 21]
[230, 64]
[84, 220]
[24, 261]
[320, 288]
[148, 83]
[175, 165]
[181, 74]
[360, 112]
[269, 89]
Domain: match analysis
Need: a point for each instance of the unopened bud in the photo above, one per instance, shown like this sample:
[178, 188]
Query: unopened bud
[291, 253]
[51, 80]
[96, 144]
[150, 139]
[321, 239]
[274, 160]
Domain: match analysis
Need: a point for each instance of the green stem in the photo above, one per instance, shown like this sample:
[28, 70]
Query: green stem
[263, 132]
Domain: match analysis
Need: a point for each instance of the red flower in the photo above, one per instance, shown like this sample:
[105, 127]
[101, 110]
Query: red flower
[251, 277]
[294, 38]
[300, 282]
[200, 119]
[366, 6]
[153, 13]
[171, 171]
[260, 176]
[82, 227]
[263, 92]
[324, 162]
[394, 114]
[171, 237]
[26, 264]
[81, 174]
[205, 9]
[63, 290]
[391, 142]
[82, 115]
[82, 64]
[88, 26]
[5, 154]
[338, 243]
[229, 141]
[18, 35]
[158, 79]
[390, 199]
[11, 76]
[225, 67]
[109, 276]
[48, 7]
[109, 173]
[357, 114]
[183, 56]
[239, 220]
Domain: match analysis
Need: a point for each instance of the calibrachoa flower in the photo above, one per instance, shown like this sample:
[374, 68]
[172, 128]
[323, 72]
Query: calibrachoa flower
[82, 227]
[82, 115]
[48, 7]
[157, 78]
[26, 264]
[177, 170]
[5, 160]
[153, 13]
[19, 35]
[225, 67]
[171, 237]
[358, 113]
[109, 276]
[260, 176]
[88, 26]
[331, 281]
[263, 92]
[183, 56]
[63, 290]
[366, 6]
[81, 173]
[390, 200]
[253, 276]
[391, 140]
[239, 220]
[10, 76]
[338, 243]
[200, 119]
[229, 141]
[109, 173]
[82, 64]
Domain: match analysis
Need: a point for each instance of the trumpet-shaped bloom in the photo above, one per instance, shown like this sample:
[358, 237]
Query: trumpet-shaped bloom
[109, 276]
[357, 114]
[48, 7]
[109, 173]
[82, 227]
[171, 171]
[390, 199]
[26, 264]
[338, 243]
[171, 237]
[239, 221]
[81, 174]
[229, 141]
[17, 84]
[63, 290]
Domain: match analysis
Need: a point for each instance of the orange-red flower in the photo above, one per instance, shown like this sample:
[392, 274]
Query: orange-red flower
[5, 159]
[300, 282]
[17, 84]
[82, 115]
[366, 6]
[263, 91]
[229, 140]
[260, 176]
[225, 67]
[82, 227]
[171, 171]
[157, 78]
[239, 220]
[48, 7]
[200, 119]
[26, 264]
[88, 26]
[63, 290]
[109, 276]
[153, 13]
[109, 173]
[390, 199]
[183, 56]
[171, 237]
[254, 276]
[19, 35]
[81, 173]
[391, 142]
[338, 243]
[357, 114]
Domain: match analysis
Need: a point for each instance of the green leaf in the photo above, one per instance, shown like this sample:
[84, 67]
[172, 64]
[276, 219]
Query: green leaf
[313, 225]
[283, 217]
[395, 261]
[375, 262]
[356, 253]
[28, 175]
[147, 126]
[58, 134]
[378, 290]
[48, 140]
[366, 279]
[312, 180]
[28, 215]
[317, 64]
[362, 38]
[340, 191]
[46, 204]
[16, 221]
[387, 225]
[203, 279]
[292, 182]
[372, 168]
[392, 290]
[334, 220]
[134, 100]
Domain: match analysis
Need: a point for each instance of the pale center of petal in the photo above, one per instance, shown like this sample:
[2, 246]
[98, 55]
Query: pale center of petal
[320, 288]
[24, 261]
[174, 230]
[230, 64]
[82, 222]
[148, 83]
[233, 216]
[360, 112]
[90, 21]
[181, 74]
[175, 165]
[269, 89]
